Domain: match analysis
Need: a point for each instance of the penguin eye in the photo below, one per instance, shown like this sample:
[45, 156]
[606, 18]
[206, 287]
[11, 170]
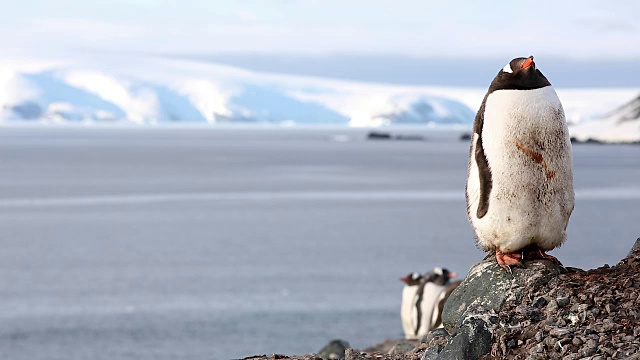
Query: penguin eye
[507, 68]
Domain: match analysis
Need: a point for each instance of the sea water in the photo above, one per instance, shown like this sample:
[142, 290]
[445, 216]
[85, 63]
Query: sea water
[201, 243]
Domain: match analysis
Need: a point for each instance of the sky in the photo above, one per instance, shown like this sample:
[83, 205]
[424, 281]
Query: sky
[284, 35]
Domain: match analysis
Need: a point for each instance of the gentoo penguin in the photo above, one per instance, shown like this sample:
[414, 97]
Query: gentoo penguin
[520, 184]
[422, 306]
[407, 307]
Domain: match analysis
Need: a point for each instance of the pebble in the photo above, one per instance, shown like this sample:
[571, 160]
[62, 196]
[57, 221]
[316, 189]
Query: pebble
[538, 349]
[562, 301]
[401, 348]
[540, 302]
[577, 342]
[552, 306]
[560, 331]
[571, 357]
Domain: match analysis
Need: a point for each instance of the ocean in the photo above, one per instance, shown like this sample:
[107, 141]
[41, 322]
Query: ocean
[220, 243]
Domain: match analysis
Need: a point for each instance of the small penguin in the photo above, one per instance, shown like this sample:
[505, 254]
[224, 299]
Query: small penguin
[422, 304]
[407, 307]
[437, 287]
[519, 188]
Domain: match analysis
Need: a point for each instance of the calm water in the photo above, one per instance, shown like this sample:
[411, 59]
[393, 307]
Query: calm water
[217, 244]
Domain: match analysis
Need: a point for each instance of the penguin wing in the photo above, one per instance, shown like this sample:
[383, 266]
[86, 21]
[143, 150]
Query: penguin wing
[416, 313]
[431, 297]
[484, 172]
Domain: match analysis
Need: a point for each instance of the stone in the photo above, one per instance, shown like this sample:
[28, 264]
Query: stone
[335, 349]
[635, 249]
[490, 285]
[401, 348]
[552, 306]
[471, 341]
[351, 354]
[540, 302]
[562, 301]
[577, 342]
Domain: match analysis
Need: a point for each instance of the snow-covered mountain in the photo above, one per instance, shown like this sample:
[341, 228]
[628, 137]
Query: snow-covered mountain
[620, 125]
[171, 90]
[147, 90]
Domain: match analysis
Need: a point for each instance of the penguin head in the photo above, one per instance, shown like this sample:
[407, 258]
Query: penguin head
[440, 276]
[519, 74]
[412, 279]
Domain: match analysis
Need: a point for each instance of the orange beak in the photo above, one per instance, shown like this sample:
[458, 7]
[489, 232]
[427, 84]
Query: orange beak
[527, 63]
[452, 275]
[405, 279]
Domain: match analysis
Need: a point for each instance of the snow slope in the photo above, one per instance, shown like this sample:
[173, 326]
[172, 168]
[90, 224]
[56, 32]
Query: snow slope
[147, 90]
[620, 125]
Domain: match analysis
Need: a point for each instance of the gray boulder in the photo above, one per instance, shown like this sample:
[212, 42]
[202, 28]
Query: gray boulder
[334, 350]
[469, 315]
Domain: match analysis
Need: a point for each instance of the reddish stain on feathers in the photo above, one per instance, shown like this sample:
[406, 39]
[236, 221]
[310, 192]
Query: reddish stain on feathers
[537, 157]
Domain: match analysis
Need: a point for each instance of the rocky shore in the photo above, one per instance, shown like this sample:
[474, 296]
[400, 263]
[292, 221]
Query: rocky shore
[542, 311]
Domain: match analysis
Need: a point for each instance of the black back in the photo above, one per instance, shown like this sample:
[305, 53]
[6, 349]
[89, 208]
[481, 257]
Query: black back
[528, 78]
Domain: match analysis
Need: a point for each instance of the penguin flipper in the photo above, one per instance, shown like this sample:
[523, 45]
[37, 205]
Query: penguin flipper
[482, 163]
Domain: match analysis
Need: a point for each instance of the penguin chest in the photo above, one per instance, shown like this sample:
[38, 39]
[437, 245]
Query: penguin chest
[526, 144]
[407, 311]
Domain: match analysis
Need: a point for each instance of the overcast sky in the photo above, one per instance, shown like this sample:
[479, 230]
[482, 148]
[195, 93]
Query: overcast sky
[585, 30]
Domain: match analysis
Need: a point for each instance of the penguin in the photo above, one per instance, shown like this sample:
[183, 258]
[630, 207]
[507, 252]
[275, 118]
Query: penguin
[423, 299]
[519, 188]
[407, 307]
[437, 287]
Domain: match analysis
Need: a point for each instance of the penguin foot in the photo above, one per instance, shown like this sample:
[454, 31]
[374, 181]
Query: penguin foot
[540, 254]
[508, 259]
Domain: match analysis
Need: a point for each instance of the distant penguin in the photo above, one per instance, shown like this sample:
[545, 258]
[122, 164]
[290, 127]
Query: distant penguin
[441, 278]
[407, 308]
[422, 307]
[520, 183]
[436, 287]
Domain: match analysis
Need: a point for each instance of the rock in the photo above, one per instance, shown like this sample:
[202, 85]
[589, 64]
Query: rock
[375, 135]
[401, 348]
[472, 341]
[562, 301]
[540, 302]
[334, 350]
[635, 249]
[351, 354]
[386, 345]
[469, 313]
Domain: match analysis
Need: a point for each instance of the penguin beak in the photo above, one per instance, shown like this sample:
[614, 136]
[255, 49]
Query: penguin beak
[452, 275]
[527, 63]
[405, 279]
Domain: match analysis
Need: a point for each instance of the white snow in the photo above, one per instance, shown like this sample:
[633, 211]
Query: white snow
[621, 125]
[148, 90]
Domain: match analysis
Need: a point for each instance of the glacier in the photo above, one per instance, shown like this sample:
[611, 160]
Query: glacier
[622, 125]
[158, 90]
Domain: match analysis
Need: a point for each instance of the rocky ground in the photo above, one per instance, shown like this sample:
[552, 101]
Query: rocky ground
[591, 314]
[541, 312]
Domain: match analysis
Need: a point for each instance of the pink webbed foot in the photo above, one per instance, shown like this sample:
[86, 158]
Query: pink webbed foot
[508, 259]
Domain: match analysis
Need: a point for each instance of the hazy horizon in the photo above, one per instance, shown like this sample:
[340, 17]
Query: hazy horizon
[413, 70]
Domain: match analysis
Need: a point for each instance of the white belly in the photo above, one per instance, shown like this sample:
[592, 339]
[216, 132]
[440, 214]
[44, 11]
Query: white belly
[407, 314]
[431, 297]
[527, 146]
